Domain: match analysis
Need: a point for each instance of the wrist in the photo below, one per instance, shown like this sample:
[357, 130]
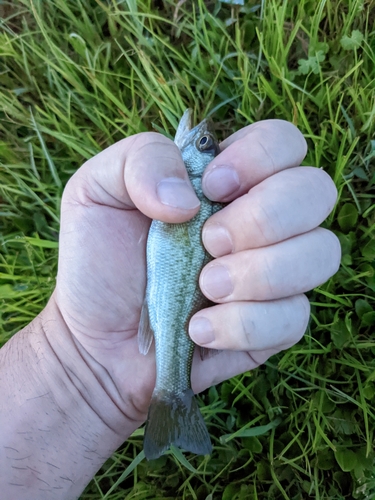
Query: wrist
[88, 382]
[61, 419]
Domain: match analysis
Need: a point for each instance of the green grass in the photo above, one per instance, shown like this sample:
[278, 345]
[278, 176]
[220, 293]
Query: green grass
[78, 75]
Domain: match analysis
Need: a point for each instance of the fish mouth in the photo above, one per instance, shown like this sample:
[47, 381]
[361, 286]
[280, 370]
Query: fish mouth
[184, 128]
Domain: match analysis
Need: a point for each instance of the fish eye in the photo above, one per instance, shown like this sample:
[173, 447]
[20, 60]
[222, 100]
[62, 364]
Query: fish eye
[205, 142]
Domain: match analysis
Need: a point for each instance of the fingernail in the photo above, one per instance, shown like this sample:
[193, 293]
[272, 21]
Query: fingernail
[177, 193]
[216, 282]
[220, 182]
[200, 331]
[217, 240]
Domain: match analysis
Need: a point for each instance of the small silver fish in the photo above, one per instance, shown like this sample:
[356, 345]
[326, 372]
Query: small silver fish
[175, 258]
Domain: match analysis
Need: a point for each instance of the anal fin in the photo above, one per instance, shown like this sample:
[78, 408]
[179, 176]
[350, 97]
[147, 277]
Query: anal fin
[207, 353]
[145, 333]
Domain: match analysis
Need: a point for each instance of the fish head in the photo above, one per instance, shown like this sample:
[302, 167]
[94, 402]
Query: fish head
[198, 145]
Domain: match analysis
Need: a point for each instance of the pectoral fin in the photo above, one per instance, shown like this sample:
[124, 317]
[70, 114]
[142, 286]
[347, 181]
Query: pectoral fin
[145, 333]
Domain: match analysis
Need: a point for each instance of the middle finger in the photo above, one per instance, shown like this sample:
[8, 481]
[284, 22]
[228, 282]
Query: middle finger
[287, 268]
[286, 204]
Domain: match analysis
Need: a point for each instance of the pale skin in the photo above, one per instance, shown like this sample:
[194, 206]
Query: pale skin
[73, 385]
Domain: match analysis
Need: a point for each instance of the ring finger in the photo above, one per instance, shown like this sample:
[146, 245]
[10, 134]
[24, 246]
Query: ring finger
[255, 327]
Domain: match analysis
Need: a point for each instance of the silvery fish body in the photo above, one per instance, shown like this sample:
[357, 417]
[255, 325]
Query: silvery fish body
[175, 258]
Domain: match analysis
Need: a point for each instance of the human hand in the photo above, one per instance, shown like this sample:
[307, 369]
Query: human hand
[277, 251]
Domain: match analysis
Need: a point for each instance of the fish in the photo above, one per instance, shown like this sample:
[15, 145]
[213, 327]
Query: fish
[175, 257]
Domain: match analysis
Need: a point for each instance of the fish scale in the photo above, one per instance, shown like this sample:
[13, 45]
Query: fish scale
[175, 258]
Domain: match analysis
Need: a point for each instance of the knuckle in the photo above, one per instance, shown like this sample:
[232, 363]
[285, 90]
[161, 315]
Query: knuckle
[267, 270]
[246, 326]
[267, 221]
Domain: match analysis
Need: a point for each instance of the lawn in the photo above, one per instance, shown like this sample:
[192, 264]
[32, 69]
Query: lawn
[77, 76]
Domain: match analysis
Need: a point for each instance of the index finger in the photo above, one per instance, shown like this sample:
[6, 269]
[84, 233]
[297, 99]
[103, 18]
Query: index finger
[250, 155]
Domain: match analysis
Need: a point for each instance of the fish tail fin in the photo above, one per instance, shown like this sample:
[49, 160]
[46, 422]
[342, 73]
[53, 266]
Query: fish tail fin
[175, 419]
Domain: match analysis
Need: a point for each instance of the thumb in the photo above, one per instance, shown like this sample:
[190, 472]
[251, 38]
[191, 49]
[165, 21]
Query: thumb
[144, 171]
